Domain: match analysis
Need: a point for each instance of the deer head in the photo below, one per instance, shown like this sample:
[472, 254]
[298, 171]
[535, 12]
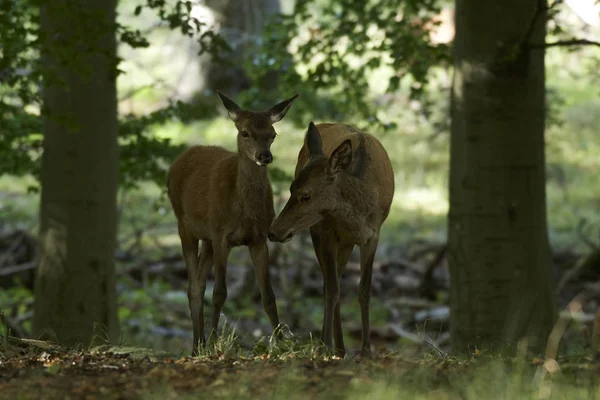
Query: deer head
[255, 129]
[315, 191]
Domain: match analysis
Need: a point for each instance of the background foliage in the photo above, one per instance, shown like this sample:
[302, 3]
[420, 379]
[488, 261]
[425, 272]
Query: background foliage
[370, 63]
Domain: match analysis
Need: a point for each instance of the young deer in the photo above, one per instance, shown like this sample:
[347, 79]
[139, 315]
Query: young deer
[225, 199]
[342, 191]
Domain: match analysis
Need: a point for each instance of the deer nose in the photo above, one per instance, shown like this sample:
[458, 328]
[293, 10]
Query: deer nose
[265, 157]
[273, 237]
[288, 235]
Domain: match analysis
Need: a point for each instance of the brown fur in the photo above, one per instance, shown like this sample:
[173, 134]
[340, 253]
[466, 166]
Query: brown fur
[224, 199]
[349, 179]
[379, 172]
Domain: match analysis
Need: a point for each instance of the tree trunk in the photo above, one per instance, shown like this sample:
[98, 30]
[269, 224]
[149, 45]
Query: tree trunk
[241, 25]
[499, 256]
[75, 291]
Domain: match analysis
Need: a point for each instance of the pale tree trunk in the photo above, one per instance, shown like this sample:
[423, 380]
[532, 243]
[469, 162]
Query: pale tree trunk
[241, 25]
[75, 293]
[500, 265]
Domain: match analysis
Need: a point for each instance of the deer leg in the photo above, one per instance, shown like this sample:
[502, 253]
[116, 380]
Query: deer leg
[259, 252]
[204, 266]
[189, 248]
[332, 294]
[327, 247]
[316, 240]
[343, 255]
[367, 255]
[220, 255]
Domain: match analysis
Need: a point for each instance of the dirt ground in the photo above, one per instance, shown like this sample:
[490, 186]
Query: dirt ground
[129, 373]
[106, 375]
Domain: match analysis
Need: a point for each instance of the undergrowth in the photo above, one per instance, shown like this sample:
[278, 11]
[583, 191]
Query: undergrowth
[288, 368]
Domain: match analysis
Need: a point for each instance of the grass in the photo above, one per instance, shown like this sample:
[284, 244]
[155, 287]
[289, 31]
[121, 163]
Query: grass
[287, 369]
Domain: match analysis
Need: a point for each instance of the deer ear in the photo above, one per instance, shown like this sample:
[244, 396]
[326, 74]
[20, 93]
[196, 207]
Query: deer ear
[313, 141]
[278, 111]
[340, 158]
[232, 108]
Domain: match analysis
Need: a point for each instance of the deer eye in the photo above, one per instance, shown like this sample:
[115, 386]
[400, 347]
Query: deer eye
[244, 134]
[305, 197]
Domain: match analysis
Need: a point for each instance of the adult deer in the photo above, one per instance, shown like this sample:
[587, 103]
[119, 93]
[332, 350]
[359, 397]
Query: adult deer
[224, 199]
[342, 191]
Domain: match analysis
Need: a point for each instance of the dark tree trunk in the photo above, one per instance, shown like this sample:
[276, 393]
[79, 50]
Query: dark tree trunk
[500, 265]
[75, 291]
[241, 25]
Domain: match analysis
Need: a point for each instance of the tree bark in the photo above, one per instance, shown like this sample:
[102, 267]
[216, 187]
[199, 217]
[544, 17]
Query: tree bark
[75, 290]
[499, 256]
[241, 25]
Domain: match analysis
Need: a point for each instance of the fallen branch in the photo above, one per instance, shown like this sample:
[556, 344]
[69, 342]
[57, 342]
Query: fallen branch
[15, 269]
[583, 263]
[403, 333]
[412, 302]
[577, 316]
[574, 307]
[572, 312]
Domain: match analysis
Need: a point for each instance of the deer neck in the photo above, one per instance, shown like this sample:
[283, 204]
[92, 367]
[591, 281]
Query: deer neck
[252, 179]
[357, 199]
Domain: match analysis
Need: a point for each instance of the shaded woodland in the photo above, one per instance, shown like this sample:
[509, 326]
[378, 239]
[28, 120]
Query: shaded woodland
[486, 279]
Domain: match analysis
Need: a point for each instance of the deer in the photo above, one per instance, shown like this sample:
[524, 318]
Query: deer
[224, 199]
[342, 191]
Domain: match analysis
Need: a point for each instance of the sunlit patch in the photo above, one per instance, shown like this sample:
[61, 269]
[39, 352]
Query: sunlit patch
[428, 200]
[203, 14]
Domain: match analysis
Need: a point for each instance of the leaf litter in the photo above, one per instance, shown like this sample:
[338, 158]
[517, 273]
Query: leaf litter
[43, 371]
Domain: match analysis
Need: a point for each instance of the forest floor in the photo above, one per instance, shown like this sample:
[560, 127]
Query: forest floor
[36, 370]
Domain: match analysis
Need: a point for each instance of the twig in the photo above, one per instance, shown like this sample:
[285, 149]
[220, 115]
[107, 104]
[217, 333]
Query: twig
[559, 43]
[565, 43]
[440, 352]
[540, 9]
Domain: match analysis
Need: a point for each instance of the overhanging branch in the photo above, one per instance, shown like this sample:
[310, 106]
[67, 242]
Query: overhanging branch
[565, 43]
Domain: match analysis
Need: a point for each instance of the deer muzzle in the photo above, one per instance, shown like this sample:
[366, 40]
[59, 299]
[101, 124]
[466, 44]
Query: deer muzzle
[264, 158]
[275, 236]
